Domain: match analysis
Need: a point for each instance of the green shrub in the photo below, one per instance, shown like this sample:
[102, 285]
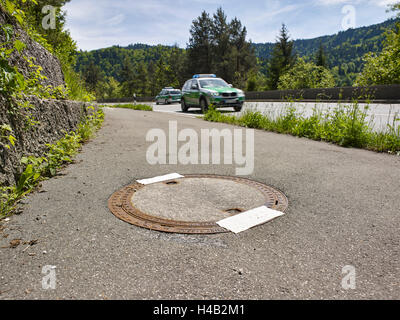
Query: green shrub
[58, 154]
[345, 125]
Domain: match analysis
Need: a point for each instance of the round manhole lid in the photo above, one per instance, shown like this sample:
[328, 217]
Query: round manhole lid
[193, 204]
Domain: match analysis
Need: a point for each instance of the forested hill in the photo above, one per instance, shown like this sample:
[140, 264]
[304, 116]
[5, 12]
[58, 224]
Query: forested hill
[345, 44]
[345, 51]
[111, 60]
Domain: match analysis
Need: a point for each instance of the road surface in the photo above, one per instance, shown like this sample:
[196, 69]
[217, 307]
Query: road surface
[343, 211]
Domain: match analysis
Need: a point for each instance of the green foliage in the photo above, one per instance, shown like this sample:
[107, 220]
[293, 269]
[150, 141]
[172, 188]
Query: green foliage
[345, 125]
[92, 123]
[14, 86]
[282, 59]
[58, 41]
[215, 46]
[306, 75]
[58, 154]
[395, 7]
[16, 9]
[76, 86]
[344, 51]
[385, 67]
[6, 138]
[139, 69]
[320, 57]
[11, 80]
[219, 47]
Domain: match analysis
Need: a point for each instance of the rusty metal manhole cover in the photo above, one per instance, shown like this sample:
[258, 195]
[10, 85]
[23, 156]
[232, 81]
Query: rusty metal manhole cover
[193, 204]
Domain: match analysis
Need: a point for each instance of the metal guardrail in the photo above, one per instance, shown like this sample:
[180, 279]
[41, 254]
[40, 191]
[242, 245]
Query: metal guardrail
[376, 94]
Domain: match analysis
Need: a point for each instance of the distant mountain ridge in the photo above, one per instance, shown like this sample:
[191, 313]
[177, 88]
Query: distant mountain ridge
[305, 47]
[344, 50]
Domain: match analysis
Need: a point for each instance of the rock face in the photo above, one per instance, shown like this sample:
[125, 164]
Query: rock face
[50, 64]
[55, 117]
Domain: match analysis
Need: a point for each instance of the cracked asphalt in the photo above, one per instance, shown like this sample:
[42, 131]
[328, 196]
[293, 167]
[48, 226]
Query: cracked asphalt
[343, 210]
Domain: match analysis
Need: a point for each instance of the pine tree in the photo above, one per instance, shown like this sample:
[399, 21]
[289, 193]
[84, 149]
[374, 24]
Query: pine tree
[282, 59]
[320, 59]
[199, 47]
[127, 78]
[140, 79]
[221, 46]
[243, 54]
[93, 76]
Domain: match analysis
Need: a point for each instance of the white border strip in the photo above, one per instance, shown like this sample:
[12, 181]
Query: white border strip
[249, 219]
[160, 179]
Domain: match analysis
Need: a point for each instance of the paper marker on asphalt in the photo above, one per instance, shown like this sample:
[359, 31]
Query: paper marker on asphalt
[161, 178]
[249, 219]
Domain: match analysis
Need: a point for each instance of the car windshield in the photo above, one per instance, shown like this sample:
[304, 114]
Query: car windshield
[213, 83]
[175, 92]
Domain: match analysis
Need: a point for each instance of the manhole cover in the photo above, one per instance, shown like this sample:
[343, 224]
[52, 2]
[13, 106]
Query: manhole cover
[193, 204]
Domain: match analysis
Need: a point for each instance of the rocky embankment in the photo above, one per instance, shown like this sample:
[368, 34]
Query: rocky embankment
[54, 117]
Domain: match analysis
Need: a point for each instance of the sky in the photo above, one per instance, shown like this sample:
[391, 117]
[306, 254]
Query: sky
[96, 24]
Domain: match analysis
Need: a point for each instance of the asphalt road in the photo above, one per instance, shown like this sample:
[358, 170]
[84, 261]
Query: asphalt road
[343, 210]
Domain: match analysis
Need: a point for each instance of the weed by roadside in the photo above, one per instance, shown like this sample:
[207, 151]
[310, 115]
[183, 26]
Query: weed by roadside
[58, 154]
[345, 125]
[143, 107]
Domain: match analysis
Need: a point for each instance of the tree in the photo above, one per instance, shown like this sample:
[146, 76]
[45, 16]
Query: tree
[177, 61]
[162, 75]
[242, 57]
[282, 59]
[385, 67]
[93, 75]
[140, 79]
[58, 38]
[127, 78]
[219, 47]
[199, 47]
[395, 7]
[320, 58]
[108, 88]
[220, 34]
[305, 75]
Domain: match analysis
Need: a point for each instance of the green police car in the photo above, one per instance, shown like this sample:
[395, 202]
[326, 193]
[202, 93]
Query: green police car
[204, 90]
[169, 95]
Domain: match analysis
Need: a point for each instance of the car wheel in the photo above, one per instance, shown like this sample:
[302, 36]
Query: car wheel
[204, 105]
[238, 109]
[184, 107]
[157, 103]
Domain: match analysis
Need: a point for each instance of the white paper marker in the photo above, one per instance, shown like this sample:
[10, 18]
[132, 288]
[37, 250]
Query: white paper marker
[249, 219]
[161, 178]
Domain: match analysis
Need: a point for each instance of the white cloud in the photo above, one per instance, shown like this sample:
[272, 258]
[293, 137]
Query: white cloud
[101, 23]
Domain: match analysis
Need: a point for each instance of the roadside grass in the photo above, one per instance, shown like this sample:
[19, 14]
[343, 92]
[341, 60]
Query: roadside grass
[142, 107]
[345, 125]
[58, 154]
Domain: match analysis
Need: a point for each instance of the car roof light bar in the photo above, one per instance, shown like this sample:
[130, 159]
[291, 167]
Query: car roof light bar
[197, 76]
